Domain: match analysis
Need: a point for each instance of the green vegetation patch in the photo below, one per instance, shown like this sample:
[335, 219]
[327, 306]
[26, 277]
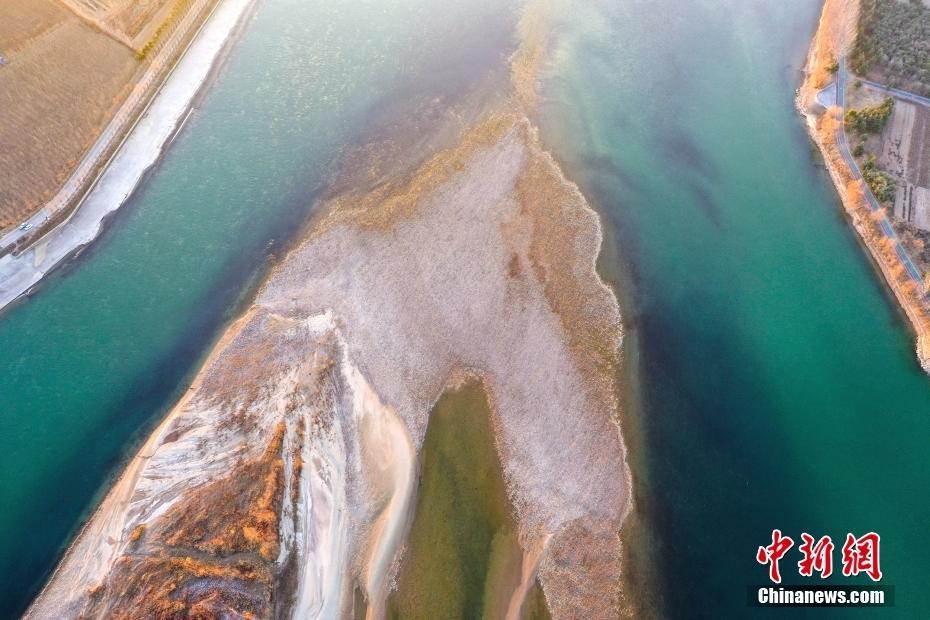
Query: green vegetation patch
[463, 559]
[893, 44]
[871, 119]
[881, 183]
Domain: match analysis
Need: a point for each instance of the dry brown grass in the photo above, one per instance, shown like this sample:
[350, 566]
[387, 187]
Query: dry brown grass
[836, 34]
[237, 514]
[62, 82]
[130, 22]
[165, 586]
[209, 556]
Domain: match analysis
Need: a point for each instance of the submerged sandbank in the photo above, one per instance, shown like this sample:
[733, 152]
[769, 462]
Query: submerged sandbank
[462, 557]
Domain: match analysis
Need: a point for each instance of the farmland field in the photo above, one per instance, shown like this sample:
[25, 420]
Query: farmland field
[54, 101]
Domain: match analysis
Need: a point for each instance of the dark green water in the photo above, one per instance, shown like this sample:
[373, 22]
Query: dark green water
[95, 358]
[776, 381]
[463, 558]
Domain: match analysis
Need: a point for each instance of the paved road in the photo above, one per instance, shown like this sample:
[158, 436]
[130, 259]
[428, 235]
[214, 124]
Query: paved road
[826, 97]
[898, 94]
[843, 144]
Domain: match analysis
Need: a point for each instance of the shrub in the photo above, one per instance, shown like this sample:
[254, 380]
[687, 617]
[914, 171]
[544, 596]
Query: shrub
[871, 119]
[174, 16]
[881, 183]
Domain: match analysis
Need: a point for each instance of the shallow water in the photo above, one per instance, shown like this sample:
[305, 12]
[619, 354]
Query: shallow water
[776, 381]
[462, 558]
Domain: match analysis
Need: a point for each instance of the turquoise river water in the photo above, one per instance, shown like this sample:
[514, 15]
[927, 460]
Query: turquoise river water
[772, 380]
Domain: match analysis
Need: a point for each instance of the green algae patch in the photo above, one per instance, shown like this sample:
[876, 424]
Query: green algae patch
[463, 559]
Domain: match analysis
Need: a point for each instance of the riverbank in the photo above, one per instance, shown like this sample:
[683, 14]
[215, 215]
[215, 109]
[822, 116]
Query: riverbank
[130, 145]
[54, 102]
[49, 189]
[832, 42]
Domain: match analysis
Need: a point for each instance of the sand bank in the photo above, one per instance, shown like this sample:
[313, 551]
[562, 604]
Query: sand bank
[467, 266]
[283, 483]
[350, 342]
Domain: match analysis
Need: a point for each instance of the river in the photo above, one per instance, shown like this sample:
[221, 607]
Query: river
[772, 379]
